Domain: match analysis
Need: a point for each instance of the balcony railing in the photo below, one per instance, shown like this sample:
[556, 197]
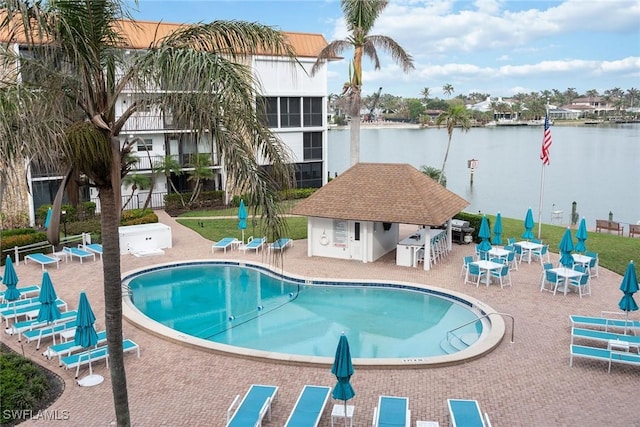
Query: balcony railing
[146, 163]
[147, 122]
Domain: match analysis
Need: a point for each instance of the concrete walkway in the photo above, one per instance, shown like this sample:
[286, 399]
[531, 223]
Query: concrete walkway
[528, 383]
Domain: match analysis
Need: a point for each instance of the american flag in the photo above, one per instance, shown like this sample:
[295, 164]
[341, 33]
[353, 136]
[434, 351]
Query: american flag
[546, 141]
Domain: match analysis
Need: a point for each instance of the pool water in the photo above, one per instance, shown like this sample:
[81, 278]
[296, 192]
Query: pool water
[252, 308]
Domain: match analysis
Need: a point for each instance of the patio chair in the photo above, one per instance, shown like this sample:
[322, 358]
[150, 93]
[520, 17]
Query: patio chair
[474, 274]
[465, 264]
[81, 254]
[42, 259]
[392, 411]
[48, 331]
[581, 283]
[511, 260]
[603, 354]
[253, 407]
[254, 244]
[541, 254]
[309, 406]
[27, 325]
[94, 355]
[602, 336]
[224, 244]
[605, 323]
[593, 264]
[67, 348]
[96, 248]
[27, 291]
[465, 413]
[503, 276]
[281, 244]
[27, 310]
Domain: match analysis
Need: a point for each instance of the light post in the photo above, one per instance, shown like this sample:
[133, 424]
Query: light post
[64, 222]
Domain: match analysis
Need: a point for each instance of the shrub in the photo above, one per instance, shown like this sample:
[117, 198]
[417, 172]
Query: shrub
[22, 383]
[138, 216]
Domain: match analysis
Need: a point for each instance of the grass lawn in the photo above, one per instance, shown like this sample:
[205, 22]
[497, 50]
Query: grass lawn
[614, 251]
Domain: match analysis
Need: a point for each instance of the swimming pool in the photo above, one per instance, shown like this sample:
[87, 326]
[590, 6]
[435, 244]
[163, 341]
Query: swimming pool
[251, 309]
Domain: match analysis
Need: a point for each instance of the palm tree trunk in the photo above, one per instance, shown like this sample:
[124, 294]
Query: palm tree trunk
[113, 304]
[354, 127]
[444, 162]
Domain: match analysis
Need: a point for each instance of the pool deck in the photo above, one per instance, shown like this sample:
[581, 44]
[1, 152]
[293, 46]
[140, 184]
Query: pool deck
[527, 383]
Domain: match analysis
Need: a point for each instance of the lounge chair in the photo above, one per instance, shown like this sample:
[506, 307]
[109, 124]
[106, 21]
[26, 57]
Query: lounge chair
[95, 354]
[48, 331]
[603, 322]
[19, 303]
[281, 244]
[253, 406]
[224, 244]
[254, 244]
[67, 348]
[27, 291]
[27, 325]
[309, 406]
[392, 411]
[465, 413]
[28, 310]
[602, 336]
[81, 254]
[96, 248]
[42, 259]
[606, 355]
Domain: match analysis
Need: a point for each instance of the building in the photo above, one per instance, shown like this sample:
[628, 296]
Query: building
[296, 107]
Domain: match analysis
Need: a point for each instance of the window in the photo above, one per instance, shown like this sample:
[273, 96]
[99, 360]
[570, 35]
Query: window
[312, 111]
[309, 175]
[312, 145]
[267, 109]
[145, 145]
[289, 112]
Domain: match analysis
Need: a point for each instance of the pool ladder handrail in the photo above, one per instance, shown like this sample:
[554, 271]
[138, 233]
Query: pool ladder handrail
[513, 324]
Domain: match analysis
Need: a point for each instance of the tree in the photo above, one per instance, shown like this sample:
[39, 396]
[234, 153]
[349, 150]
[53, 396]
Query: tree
[167, 167]
[360, 16]
[455, 116]
[136, 182]
[73, 71]
[447, 89]
[435, 174]
[426, 92]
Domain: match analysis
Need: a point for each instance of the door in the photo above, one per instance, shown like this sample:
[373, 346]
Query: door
[355, 240]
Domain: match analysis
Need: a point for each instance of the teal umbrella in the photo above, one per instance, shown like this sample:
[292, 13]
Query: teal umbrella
[47, 220]
[343, 370]
[48, 308]
[484, 234]
[10, 279]
[242, 218]
[497, 230]
[629, 286]
[581, 236]
[86, 336]
[528, 225]
[566, 247]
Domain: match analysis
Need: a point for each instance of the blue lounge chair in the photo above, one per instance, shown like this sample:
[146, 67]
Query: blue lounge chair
[392, 412]
[19, 303]
[81, 254]
[27, 291]
[95, 354]
[67, 348]
[27, 325]
[48, 331]
[96, 248]
[253, 407]
[309, 406]
[254, 244]
[605, 323]
[224, 244]
[281, 244]
[29, 310]
[42, 259]
[465, 413]
[602, 336]
[606, 355]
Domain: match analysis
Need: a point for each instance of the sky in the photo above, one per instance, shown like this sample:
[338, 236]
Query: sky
[497, 47]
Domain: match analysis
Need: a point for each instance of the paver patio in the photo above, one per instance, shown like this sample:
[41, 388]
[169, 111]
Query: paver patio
[527, 383]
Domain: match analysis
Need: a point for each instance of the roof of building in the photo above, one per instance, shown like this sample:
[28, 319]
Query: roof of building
[141, 34]
[383, 192]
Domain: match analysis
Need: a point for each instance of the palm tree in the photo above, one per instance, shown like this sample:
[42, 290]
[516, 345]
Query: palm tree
[75, 69]
[447, 89]
[135, 181]
[434, 173]
[201, 170]
[455, 116]
[360, 16]
[426, 92]
[167, 166]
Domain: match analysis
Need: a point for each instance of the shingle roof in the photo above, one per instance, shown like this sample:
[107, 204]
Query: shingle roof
[384, 192]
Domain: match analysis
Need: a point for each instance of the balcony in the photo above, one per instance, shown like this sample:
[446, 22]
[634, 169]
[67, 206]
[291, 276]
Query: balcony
[184, 160]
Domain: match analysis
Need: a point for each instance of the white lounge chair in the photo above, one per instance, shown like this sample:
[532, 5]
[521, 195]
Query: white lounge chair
[224, 244]
[604, 323]
[281, 244]
[465, 413]
[42, 259]
[27, 325]
[67, 348]
[254, 244]
[81, 254]
[48, 331]
[95, 354]
[309, 406]
[27, 311]
[392, 411]
[96, 248]
[603, 336]
[253, 407]
[25, 293]
[605, 355]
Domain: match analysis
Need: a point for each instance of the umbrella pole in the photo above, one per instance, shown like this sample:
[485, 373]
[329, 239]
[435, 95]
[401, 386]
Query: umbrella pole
[345, 413]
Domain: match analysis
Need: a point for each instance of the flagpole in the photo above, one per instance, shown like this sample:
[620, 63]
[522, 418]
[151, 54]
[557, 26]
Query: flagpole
[545, 160]
[540, 203]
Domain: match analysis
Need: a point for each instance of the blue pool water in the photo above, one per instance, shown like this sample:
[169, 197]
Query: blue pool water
[254, 308]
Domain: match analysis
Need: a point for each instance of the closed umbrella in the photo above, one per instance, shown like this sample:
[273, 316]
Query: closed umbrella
[48, 307]
[528, 225]
[10, 279]
[47, 220]
[343, 369]
[485, 234]
[497, 230]
[581, 236]
[242, 218]
[566, 247]
[86, 336]
[629, 286]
